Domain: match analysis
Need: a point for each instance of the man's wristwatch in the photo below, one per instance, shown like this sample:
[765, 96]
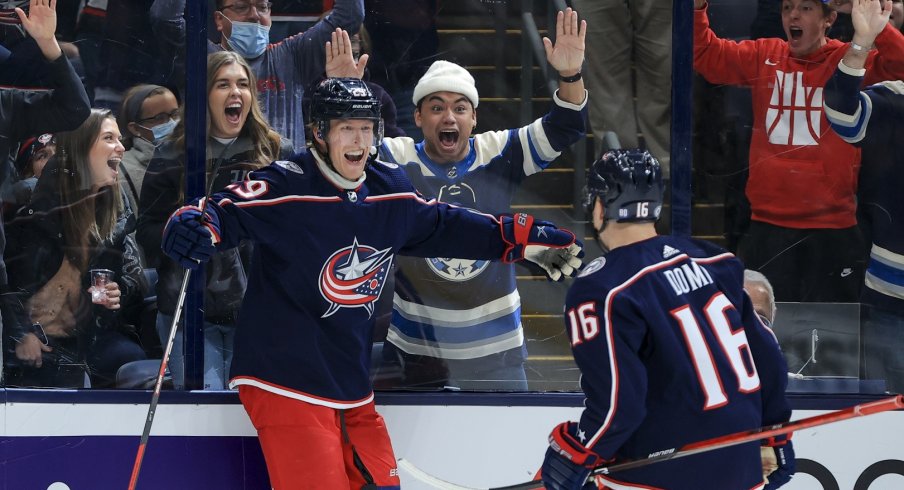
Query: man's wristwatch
[571, 79]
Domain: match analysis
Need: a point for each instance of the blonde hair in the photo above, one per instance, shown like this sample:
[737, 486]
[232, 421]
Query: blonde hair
[88, 217]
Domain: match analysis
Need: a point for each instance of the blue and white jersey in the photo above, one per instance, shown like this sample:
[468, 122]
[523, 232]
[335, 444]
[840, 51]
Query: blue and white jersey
[323, 249]
[874, 121]
[671, 352]
[454, 308]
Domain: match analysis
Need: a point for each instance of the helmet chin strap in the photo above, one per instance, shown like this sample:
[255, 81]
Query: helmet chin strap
[597, 235]
[325, 154]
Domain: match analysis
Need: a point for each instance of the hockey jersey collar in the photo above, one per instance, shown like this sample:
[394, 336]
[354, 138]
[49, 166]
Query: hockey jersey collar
[331, 175]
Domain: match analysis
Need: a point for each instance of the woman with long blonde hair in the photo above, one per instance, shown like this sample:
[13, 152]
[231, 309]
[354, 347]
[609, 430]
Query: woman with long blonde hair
[239, 140]
[77, 222]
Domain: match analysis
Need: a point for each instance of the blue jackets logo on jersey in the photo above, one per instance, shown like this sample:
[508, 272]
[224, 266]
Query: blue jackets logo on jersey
[457, 269]
[354, 276]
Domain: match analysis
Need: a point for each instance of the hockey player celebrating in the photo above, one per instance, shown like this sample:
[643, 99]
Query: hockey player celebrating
[669, 347]
[326, 227]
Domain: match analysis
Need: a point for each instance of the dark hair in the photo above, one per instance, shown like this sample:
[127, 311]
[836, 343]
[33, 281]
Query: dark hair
[130, 109]
[88, 218]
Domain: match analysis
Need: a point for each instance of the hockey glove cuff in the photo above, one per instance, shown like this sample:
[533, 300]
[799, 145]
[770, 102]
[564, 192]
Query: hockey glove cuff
[784, 462]
[568, 462]
[556, 251]
[188, 239]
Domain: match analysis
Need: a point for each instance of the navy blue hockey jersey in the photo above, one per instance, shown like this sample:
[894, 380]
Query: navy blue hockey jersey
[671, 352]
[322, 252]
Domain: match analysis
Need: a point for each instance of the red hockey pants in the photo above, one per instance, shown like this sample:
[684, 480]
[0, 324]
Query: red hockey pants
[304, 445]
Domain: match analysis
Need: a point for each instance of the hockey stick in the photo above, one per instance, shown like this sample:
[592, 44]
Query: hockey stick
[864, 409]
[180, 302]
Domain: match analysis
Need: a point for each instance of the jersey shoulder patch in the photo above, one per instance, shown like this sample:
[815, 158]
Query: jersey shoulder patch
[289, 165]
[594, 266]
[387, 164]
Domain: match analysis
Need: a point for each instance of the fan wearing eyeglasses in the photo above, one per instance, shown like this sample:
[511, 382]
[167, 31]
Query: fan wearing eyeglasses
[284, 69]
[149, 114]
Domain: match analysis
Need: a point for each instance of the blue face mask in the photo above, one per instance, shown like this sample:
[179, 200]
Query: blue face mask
[248, 39]
[163, 130]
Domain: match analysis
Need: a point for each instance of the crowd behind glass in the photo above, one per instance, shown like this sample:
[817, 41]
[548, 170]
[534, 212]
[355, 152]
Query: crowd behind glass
[92, 156]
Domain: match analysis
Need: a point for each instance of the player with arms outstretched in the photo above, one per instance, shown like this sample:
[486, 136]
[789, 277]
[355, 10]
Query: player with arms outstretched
[326, 227]
[669, 347]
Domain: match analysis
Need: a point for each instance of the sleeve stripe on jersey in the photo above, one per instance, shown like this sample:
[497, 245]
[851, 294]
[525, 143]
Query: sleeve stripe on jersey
[535, 147]
[613, 396]
[420, 199]
[714, 258]
[851, 128]
[279, 200]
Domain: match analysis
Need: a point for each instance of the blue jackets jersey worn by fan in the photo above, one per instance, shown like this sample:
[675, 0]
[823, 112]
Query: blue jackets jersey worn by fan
[870, 120]
[455, 308]
[320, 262]
[671, 352]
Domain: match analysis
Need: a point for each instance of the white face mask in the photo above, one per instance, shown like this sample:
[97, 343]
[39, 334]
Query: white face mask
[248, 39]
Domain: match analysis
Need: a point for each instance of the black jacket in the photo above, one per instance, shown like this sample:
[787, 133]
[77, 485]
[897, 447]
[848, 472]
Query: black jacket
[34, 254]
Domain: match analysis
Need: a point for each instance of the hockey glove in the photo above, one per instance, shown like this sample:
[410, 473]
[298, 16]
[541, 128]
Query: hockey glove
[188, 239]
[568, 463]
[784, 458]
[556, 251]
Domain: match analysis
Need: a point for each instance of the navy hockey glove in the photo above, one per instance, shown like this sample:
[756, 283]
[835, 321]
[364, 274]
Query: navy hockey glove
[568, 463]
[556, 251]
[784, 458]
[188, 239]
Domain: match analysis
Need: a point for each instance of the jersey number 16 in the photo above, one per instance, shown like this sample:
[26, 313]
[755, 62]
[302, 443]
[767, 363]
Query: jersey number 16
[731, 345]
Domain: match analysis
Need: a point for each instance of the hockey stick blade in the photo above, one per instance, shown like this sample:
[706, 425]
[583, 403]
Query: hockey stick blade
[862, 410]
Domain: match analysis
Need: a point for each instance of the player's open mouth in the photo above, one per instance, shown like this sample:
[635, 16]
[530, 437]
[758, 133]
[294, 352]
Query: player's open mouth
[448, 138]
[354, 156]
[113, 163]
[234, 112]
[795, 32]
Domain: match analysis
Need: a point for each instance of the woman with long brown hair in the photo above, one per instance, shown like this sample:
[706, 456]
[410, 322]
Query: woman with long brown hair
[76, 223]
[239, 140]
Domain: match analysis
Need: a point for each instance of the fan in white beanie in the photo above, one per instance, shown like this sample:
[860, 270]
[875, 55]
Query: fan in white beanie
[443, 76]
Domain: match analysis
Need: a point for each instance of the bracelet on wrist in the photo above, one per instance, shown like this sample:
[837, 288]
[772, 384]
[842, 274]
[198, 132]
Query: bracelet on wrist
[857, 47]
[571, 79]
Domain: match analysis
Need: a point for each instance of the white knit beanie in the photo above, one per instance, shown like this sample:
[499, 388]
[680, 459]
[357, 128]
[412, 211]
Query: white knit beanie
[443, 76]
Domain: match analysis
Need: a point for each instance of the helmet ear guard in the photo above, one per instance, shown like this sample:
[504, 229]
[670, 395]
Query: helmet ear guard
[629, 183]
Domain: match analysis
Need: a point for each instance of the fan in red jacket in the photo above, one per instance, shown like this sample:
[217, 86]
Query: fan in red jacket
[803, 177]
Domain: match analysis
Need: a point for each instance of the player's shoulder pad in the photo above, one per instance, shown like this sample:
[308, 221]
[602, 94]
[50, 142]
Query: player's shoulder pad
[289, 166]
[707, 249]
[593, 266]
[388, 177]
[388, 165]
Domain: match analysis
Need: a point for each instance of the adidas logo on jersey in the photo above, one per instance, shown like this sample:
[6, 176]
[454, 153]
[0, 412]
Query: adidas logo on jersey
[668, 251]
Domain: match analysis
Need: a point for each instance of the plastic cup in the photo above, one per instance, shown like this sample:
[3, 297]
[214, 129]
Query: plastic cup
[99, 280]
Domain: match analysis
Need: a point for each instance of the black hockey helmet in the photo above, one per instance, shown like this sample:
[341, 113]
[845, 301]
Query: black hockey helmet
[629, 183]
[344, 98]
